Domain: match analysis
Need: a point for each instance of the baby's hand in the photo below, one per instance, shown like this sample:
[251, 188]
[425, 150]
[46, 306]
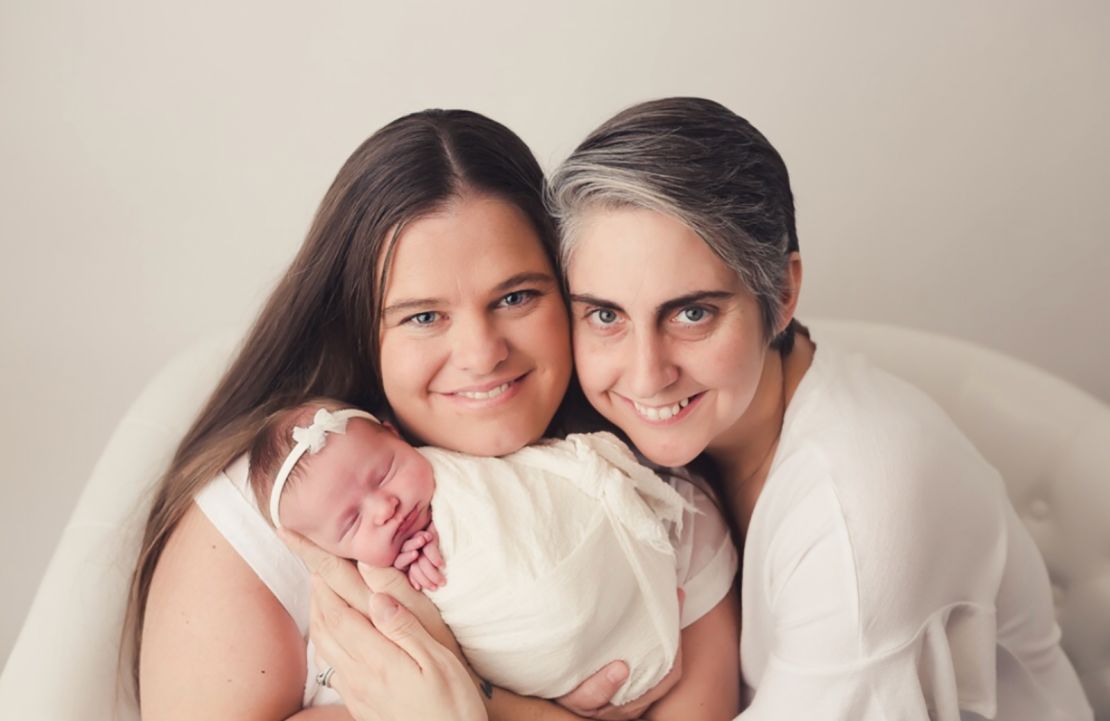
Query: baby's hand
[426, 571]
[410, 549]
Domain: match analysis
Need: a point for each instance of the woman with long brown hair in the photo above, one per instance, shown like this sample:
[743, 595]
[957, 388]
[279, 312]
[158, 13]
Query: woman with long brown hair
[427, 291]
[213, 637]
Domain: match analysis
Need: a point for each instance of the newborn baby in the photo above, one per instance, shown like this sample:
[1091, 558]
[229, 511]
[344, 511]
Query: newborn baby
[561, 556]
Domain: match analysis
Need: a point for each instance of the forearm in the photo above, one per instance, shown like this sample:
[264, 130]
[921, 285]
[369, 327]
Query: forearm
[502, 705]
[323, 713]
[709, 689]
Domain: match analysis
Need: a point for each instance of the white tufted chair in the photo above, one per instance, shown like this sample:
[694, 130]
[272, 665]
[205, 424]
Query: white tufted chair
[1050, 440]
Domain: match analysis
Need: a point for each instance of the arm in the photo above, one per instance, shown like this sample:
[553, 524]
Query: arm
[340, 583]
[590, 700]
[216, 643]
[709, 687]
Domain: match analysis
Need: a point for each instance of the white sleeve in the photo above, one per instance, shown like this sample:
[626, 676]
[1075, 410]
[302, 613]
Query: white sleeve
[706, 559]
[825, 659]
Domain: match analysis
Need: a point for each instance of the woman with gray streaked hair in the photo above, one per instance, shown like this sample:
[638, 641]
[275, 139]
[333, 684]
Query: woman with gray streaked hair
[885, 574]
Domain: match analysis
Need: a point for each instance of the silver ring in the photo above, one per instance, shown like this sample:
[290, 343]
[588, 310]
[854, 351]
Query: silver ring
[324, 677]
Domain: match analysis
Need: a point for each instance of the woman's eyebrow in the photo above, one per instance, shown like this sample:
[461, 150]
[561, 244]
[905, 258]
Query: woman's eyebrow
[412, 304]
[690, 298]
[524, 278]
[409, 304]
[594, 300]
[664, 307]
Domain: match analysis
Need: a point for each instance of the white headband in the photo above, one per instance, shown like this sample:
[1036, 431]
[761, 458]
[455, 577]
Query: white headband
[311, 440]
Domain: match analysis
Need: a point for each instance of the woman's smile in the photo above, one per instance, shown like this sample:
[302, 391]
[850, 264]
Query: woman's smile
[487, 395]
[663, 414]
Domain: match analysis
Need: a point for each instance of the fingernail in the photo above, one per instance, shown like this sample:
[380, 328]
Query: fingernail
[617, 674]
[382, 607]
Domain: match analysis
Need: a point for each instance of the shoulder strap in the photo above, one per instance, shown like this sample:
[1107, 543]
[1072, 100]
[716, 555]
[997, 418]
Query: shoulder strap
[233, 511]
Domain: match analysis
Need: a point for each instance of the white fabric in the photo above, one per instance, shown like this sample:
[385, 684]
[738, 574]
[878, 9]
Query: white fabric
[886, 575]
[230, 504]
[559, 559]
[702, 559]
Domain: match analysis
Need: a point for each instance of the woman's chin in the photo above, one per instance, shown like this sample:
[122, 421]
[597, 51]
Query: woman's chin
[491, 440]
[668, 452]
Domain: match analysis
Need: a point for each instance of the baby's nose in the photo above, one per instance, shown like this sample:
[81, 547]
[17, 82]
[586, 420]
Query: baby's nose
[385, 507]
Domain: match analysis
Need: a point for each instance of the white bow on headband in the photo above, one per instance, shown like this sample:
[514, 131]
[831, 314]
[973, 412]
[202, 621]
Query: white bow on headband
[311, 440]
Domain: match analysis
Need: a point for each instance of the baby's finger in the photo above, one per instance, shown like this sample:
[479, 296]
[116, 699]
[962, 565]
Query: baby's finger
[422, 580]
[405, 559]
[433, 554]
[414, 543]
[430, 570]
[422, 565]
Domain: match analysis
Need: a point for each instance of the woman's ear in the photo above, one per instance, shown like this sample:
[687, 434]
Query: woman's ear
[793, 289]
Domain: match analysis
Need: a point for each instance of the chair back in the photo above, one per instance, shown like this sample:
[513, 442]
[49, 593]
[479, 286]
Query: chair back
[63, 665]
[1051, 443]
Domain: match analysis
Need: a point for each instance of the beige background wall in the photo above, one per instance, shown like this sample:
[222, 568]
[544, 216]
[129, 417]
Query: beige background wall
[159, 163]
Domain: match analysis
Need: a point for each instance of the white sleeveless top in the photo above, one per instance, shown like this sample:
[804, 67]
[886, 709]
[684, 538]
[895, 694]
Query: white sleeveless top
[229, 504]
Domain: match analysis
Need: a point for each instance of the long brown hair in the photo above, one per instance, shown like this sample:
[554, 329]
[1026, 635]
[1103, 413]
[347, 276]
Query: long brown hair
[317, 335]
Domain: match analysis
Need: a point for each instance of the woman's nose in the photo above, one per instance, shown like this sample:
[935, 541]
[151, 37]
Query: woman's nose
[479, 346]
[650, 370]
[382, 507]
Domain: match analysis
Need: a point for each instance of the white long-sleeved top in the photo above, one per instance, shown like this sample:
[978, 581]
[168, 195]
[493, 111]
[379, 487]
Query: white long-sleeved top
[886, 577]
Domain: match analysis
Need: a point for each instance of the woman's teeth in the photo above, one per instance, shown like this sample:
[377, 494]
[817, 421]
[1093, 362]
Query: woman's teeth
[661, 413]
[485, 395]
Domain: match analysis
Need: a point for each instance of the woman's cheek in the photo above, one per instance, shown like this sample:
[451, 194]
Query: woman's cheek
[408, 369]
[593, 363]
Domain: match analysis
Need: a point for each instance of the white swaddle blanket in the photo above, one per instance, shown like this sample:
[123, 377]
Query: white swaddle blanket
[559, 560]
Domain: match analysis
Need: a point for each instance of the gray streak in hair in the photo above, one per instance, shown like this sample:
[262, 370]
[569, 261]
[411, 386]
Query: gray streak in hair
[700, 163]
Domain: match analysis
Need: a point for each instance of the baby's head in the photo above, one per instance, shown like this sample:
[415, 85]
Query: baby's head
[342, 479]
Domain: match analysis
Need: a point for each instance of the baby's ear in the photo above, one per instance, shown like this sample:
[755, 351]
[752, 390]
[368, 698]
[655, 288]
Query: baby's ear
[391, 428]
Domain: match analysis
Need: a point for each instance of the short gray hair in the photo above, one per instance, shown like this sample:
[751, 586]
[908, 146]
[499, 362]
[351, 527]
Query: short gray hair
[697, 161]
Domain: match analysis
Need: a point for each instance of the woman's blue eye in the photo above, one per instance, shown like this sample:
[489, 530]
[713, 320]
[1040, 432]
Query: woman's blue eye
[694, 314]
[426, 318]
[517, 297]
[605, 316]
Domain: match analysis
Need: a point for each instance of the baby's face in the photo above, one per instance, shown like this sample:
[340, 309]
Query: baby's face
[362, 496]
